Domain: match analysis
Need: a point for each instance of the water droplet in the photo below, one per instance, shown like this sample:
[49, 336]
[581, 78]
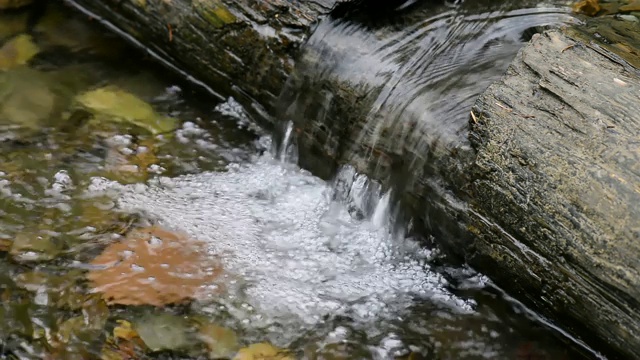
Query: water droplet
[137, 268]
[155, 241]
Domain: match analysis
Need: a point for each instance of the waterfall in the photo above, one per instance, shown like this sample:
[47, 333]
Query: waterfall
[286, 151]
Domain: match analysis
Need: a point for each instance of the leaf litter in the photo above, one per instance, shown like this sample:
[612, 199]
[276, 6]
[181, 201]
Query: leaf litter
[153, 266]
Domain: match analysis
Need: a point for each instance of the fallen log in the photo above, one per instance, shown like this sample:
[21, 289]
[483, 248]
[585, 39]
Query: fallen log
[554, 184]
[243, 49]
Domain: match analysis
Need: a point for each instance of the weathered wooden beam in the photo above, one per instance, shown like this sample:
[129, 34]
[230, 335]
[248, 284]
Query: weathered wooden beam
[555, 184]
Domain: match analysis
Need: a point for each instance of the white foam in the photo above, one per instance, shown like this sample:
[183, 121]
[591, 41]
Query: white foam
[299, 256]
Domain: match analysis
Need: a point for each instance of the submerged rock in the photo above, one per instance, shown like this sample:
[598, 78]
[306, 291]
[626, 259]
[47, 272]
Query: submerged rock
[26, 99]
[165, 332]
[32, 100]
[35, 246]
[221, 342]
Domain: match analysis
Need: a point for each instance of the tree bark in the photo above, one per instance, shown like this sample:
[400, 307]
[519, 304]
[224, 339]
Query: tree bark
[554, 185]
[239, 48]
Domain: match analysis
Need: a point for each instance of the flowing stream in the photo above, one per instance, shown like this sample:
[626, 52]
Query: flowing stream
[321, 269]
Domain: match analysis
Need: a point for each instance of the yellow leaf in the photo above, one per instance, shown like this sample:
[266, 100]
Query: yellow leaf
[113, 104]
[17, 51]
[124, 330]
[587, 7]
[262, 351]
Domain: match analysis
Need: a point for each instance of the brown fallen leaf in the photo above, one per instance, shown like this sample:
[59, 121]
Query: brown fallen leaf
[262, 351]
[631, 6]
[587, 7]
[153, 266]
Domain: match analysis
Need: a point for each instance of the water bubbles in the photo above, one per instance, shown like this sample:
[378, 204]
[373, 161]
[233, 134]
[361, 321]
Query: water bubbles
[62, 178]
[155, 241]
[233, 109]
[287, 151]
[137, 268]
[42, 296]
[119, 140]
[293, 251]
[126, 151]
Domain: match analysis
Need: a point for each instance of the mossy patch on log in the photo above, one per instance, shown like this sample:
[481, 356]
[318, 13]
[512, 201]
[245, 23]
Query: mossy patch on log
[214, 12]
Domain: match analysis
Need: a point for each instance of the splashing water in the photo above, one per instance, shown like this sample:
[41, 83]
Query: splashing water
[407, 82]
[300, 256]
[287, 151]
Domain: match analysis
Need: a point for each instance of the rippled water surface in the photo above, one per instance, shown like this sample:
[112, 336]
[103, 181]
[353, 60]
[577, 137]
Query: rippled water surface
[174, 232]
[412, 76]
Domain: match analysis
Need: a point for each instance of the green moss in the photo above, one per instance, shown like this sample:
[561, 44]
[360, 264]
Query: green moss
[214, 12]
[474, 230]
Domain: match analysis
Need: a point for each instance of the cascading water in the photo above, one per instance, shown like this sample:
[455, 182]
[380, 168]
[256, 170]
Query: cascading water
[406, 82]
[287, 151]
[323, 268]
[300, 251]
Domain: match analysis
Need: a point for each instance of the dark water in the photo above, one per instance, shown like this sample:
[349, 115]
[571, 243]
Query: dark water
[99, 143]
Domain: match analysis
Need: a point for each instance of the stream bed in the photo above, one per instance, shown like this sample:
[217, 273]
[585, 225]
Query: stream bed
[141, 219]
